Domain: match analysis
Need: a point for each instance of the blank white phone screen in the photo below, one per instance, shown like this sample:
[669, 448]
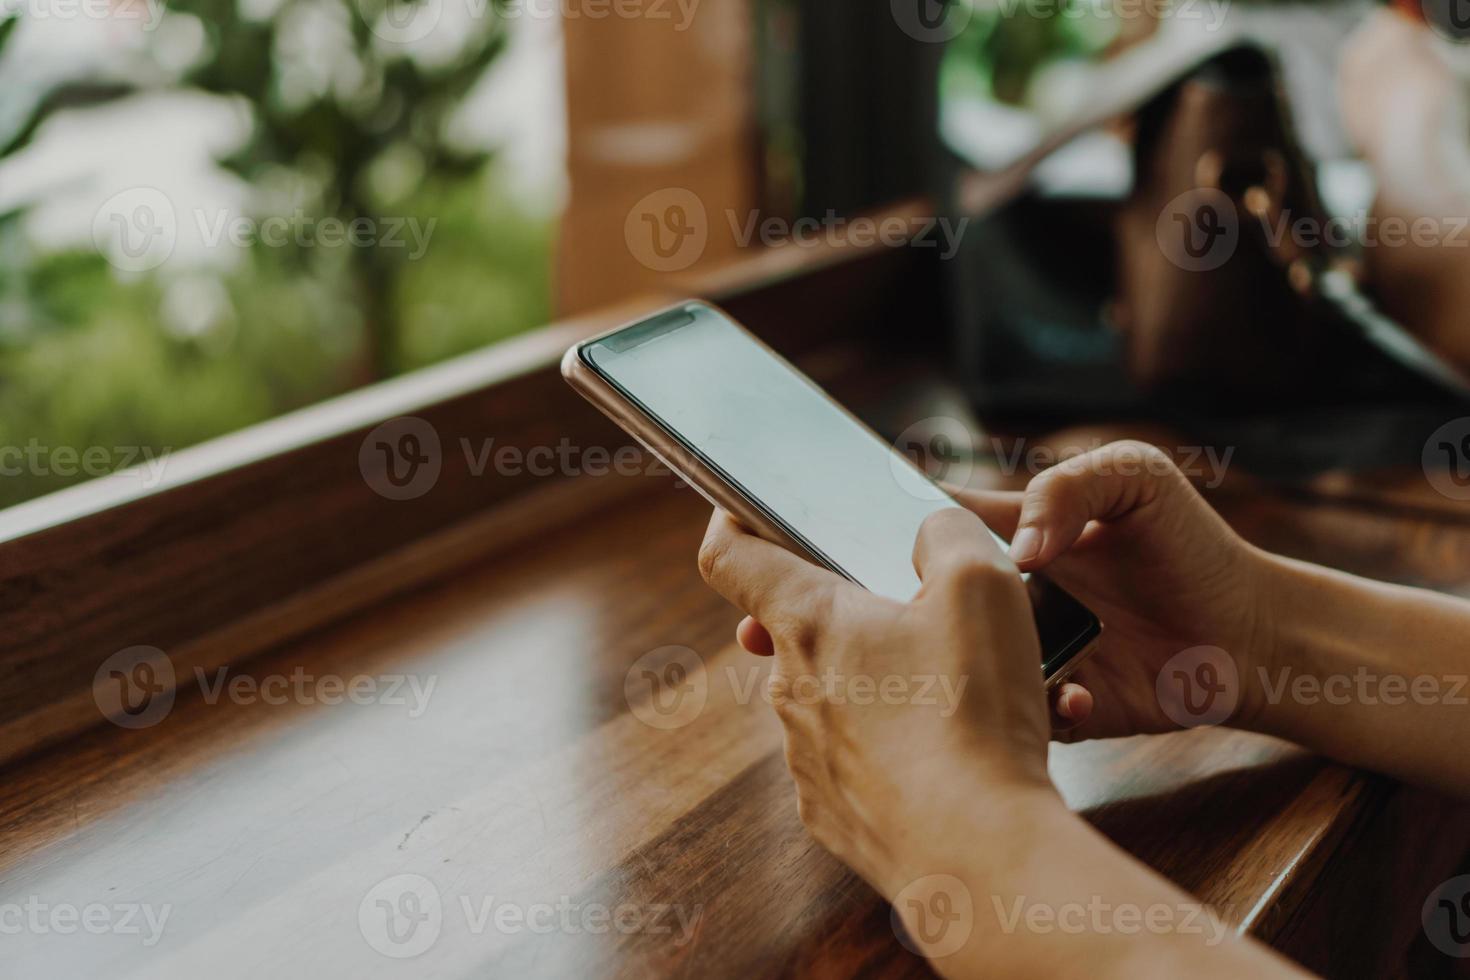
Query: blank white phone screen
[846, 493]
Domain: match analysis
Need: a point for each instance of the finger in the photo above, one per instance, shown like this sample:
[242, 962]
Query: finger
[954, 544]
[1071, 706]
[999, 509]
[1107, 484]
[755, 638]
[761, 579]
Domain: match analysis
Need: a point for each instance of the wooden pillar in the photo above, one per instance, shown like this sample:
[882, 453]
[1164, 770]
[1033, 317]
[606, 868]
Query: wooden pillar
[661, 142]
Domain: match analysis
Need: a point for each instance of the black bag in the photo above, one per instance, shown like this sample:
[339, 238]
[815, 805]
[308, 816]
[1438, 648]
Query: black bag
[1177, 304]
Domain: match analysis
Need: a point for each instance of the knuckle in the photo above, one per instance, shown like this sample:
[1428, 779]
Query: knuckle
[809, 811]
[714, 555]
[794, 765]
[803, 772]
[1053, 486]
[785, 709]
[800, 630]
[978, 574]
[935, 522]
[1056, 485]
[1150, 457]
[783, 703]
[794, 635]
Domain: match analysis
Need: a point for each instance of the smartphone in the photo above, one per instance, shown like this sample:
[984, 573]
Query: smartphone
[759, 439]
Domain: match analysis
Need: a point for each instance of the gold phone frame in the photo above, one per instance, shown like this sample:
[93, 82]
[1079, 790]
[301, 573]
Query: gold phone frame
[651, 434]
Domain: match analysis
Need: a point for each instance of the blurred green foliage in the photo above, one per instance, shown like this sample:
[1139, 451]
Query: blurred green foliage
[89, 358]
[1007, 42]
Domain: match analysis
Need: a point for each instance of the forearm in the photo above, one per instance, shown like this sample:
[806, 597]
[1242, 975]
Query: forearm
[1031, 890]
[1370, 674]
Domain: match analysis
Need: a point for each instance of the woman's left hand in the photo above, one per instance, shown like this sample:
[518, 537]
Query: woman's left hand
[898, 716]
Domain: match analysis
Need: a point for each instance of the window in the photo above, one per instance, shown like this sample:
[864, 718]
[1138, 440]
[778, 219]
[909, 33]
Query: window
[213, 212]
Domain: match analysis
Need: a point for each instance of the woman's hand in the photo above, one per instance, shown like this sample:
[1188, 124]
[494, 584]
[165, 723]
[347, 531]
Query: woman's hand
[1124, 531]
[917, 732]
[905, 722]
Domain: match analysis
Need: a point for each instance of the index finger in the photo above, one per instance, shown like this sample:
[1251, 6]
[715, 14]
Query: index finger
[999, 509]
[953, 543]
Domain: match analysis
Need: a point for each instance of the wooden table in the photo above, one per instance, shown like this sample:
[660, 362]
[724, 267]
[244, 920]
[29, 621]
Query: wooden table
[529, 778]
[541, 777]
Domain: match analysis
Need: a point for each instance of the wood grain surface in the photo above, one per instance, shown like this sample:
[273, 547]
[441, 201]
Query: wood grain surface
[537, 775]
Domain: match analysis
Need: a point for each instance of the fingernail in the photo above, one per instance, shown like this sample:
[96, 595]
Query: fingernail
[1026, 545]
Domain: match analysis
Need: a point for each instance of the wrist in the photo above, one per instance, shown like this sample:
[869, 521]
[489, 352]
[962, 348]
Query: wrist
[1278, 586]
[1005, 816]
[1302, 608]
[1256, 649]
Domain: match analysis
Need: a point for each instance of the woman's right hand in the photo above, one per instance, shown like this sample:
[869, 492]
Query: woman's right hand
[1186, 603]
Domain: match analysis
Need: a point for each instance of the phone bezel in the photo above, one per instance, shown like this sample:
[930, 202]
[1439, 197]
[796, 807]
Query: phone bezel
[1054, 668]
[709, 464]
